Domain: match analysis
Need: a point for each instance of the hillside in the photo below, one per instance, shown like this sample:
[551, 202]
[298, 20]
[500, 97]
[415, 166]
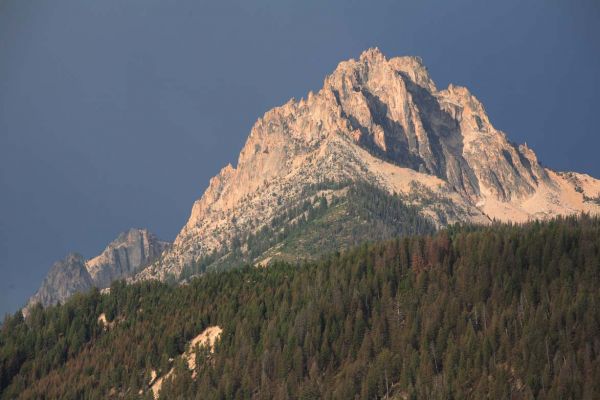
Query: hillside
[335, 217]
[498, 311]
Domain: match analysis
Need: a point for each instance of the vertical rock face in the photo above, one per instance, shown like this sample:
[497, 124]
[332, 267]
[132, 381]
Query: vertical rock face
[121, 259]
[395, 111]
[124, 256]
[382, 121]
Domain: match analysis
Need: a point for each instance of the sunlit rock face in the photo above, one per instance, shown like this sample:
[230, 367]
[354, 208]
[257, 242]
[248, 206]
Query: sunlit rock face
[382, 121]
[376, 120]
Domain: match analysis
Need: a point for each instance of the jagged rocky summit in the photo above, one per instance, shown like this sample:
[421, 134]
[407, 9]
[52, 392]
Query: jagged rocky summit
[378, 151]
[384, 122]
[122, 258]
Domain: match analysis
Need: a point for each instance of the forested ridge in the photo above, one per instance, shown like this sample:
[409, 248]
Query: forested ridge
[503, 311]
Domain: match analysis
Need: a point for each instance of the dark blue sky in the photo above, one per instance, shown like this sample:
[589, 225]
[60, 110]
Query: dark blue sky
[116, 113]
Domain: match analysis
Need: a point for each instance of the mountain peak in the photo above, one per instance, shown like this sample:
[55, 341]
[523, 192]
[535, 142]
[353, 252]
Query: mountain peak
[122, 258]
[380, 121]
[372, 54]
[373, 66]
[411, 67]
[65, 278]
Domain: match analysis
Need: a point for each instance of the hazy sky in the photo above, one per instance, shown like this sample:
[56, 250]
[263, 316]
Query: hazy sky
[116, 113]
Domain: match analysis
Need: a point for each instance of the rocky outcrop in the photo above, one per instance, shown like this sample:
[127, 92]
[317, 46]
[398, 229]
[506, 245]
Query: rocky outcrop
[122, 258]
[381, 121]
[65, 278]
[395, 111]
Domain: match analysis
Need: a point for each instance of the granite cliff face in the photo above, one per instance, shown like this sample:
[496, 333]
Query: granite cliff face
[124, 256]
[121, 259]
[65, 278]
[381, 121]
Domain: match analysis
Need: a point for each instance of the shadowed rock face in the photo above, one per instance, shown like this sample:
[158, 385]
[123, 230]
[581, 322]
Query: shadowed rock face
[121, 259]
[66, 277]
[382, 121]
[124, 256]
